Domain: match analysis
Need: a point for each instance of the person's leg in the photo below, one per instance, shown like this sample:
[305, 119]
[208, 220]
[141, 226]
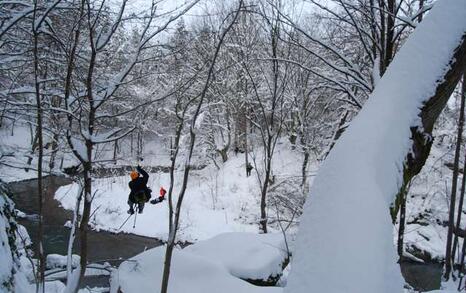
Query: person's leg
[131, 209]
[140, 207]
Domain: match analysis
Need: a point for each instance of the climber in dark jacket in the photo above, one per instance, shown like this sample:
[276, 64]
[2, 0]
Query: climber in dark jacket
[140, 193]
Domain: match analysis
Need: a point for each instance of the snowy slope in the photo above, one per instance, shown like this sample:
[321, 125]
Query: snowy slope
[345, 238]
[217, 201]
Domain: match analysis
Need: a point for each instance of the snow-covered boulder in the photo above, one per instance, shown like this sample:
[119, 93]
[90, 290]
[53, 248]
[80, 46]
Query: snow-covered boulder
[189, 273]
[54, 261]
[249, 256]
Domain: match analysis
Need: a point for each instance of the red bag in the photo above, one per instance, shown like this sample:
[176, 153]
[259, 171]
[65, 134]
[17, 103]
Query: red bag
[162, 192]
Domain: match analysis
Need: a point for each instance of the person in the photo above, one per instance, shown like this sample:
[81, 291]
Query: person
[140, 193]
[161, 197]
[249, 168]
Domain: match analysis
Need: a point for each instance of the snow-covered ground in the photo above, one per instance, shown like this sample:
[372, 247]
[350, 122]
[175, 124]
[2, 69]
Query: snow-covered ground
[217, 201]
[208, 266]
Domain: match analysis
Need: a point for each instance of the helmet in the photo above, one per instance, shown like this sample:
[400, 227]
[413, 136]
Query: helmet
[134, 175]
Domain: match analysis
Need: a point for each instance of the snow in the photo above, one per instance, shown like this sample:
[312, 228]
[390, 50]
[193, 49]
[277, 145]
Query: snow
[345, 232]
[245, 255]
[59, 261]
[8, 264]
[216, 201]
[189, 273]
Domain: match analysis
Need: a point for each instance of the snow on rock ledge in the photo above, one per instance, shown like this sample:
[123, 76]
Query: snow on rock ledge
[189, 273]
[345, 241]
[246, 255]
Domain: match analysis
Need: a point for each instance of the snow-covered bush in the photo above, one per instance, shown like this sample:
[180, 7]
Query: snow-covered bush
[9, 253]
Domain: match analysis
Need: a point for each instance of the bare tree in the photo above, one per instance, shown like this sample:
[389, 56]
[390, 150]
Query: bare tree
[198, 100]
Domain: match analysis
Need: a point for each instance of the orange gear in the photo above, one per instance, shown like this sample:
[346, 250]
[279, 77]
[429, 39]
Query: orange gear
[134, 175]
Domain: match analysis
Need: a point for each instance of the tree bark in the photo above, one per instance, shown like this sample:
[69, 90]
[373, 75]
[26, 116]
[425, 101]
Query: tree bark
[402, 220]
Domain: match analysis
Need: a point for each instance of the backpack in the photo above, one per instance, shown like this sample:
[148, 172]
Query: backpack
[142, 196]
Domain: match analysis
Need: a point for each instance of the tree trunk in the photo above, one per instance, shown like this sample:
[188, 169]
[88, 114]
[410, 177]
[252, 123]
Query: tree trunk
[389, 42]
[304, 167]
[85, 221]
[174, 218]
[265, 186]
[463, 182]
[422, 136]
[402, 220]
[40, 146]
[167, 266]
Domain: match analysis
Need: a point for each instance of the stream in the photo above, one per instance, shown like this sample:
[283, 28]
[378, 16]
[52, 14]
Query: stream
[114, 248]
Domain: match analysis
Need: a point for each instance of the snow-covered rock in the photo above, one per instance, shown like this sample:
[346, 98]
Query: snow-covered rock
[189, 273]
[246, 255]
[60, 261]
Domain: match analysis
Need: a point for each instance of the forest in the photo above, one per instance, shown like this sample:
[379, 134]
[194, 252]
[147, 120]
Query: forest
[287, 146]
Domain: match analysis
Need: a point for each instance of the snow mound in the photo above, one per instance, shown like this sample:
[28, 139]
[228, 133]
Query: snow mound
[245, 255]
[54, 261]
[189, 273]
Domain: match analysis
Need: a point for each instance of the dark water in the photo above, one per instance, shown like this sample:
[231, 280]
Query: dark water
[103, 246]
[423, 277]
[106, 246]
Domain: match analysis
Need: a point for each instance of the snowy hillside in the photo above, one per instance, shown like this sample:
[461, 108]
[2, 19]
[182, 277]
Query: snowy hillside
[218, 200]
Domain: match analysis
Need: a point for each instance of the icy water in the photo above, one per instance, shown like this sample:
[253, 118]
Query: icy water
[105, 246]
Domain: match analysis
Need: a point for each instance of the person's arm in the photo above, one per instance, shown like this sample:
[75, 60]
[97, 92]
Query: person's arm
[145, 176]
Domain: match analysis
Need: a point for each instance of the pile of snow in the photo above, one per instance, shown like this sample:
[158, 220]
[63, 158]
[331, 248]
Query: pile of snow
[345, 235]
[245, 255]
[189, 273]
[54, 261]
[216, 201]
